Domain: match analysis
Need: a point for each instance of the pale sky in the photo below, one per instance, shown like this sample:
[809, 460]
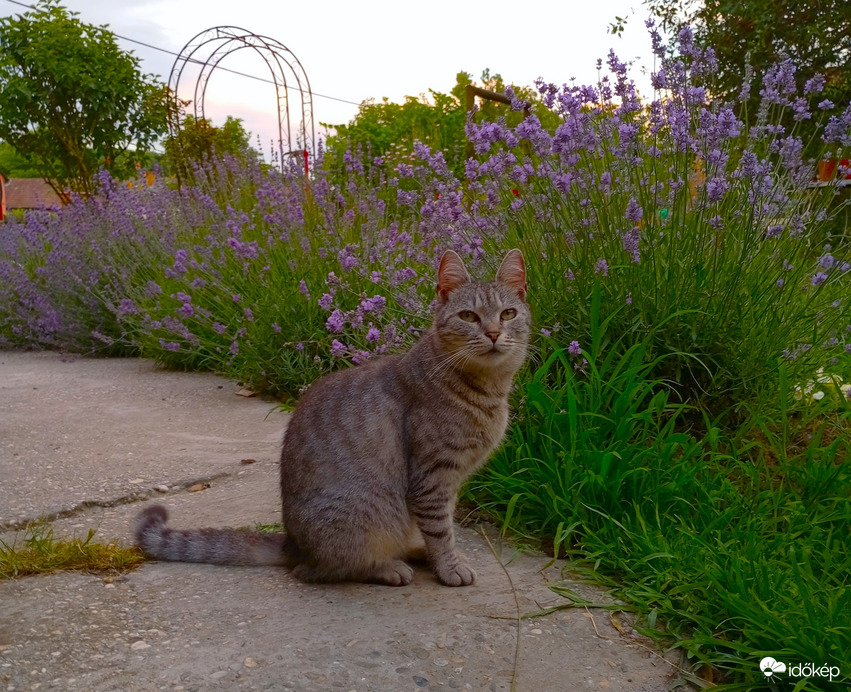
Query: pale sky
[375, 48]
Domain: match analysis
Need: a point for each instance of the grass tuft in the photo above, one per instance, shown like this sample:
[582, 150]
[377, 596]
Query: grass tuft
[43, 553]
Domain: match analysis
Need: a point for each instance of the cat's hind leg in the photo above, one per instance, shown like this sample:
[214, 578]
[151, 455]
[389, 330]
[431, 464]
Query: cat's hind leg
[352, 550]
[390, 573]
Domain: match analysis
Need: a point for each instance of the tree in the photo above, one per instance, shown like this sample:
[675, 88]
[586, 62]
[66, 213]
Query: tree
[14, 165]
[814, 34]
[198, 141]
[73, 101]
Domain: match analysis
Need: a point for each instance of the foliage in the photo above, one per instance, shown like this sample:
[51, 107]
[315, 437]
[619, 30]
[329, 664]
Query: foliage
[815, 35]
[199, 140]
[729, 550]
[15, 165]
[72, 101]
[692, 219]
[391, 130]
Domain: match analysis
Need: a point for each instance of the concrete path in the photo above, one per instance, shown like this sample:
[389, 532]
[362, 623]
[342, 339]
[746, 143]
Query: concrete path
[87, 443]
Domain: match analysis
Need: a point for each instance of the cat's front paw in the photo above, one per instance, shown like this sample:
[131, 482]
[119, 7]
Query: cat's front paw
[455, 573]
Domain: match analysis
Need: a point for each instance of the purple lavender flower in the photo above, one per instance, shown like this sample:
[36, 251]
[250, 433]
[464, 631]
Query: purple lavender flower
[244, 251]
[249, 315]
[335, 322]
[375, 304]
[819, 278]
[185, 310]
[337, 349]
[169, 345]
[574, 349]
[827, 261]
[346, 257]
[814, 85]
[774, 231]
[601, 267]
[299, 346]
[631, 243]
[375, 277]
[303, 289]
[276, 327]
[826, 105]
[405, 274]
[325, 301]
[127, 307]
[236, 297]
[361, 357]
[838, 128]
[634, 212]
[715, 189]
[546, 332]
[802, 110]
[219, 328]
[234, 348]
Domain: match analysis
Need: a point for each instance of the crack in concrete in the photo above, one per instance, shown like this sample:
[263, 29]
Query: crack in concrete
[85, 505]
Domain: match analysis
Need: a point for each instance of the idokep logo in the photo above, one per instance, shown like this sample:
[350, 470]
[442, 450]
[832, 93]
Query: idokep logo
[771, 667]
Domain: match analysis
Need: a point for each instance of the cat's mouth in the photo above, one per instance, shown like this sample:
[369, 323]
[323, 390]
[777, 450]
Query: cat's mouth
[495, 350]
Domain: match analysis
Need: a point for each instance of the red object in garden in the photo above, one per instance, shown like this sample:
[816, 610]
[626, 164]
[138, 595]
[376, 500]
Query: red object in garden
[827, 169]
[306, 168]
[2, 197]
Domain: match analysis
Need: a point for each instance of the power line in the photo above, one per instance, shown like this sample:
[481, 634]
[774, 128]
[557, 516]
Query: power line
[198, 62]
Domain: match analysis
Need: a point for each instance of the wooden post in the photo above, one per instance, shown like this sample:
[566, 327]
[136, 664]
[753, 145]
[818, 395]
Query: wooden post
[470, 93]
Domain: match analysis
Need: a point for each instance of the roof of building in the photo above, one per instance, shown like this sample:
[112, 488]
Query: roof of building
[30, 193]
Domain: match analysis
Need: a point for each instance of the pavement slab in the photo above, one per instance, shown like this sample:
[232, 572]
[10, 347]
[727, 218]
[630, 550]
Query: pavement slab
[86, 444]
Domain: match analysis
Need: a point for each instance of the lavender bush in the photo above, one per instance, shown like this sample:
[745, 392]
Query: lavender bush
[707, 235]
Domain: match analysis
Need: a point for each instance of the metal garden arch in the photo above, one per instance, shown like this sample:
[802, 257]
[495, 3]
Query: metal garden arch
[210, 47]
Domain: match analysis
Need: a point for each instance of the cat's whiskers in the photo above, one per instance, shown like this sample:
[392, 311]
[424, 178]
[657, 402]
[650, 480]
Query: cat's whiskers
[450, 361]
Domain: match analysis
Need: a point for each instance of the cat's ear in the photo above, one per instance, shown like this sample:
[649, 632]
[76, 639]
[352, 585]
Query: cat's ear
[450, 275]
[512, 272]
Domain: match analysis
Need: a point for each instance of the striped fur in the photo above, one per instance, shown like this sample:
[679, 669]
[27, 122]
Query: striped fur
[374, 456]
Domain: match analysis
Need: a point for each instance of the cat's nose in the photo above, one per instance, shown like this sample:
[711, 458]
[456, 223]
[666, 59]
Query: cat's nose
[493, 336]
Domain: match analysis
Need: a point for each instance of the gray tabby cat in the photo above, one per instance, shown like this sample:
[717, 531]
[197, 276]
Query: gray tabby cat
[374, 456]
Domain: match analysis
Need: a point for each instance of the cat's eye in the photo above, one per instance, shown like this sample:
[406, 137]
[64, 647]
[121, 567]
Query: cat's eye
[509, 314]
[468, 316]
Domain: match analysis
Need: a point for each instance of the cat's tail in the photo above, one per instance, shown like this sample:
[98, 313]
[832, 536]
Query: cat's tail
[213, 546]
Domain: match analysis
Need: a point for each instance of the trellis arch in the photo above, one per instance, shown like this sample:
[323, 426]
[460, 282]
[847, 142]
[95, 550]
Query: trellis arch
[210, 47]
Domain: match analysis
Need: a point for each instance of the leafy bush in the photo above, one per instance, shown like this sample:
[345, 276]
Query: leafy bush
[731, 556]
